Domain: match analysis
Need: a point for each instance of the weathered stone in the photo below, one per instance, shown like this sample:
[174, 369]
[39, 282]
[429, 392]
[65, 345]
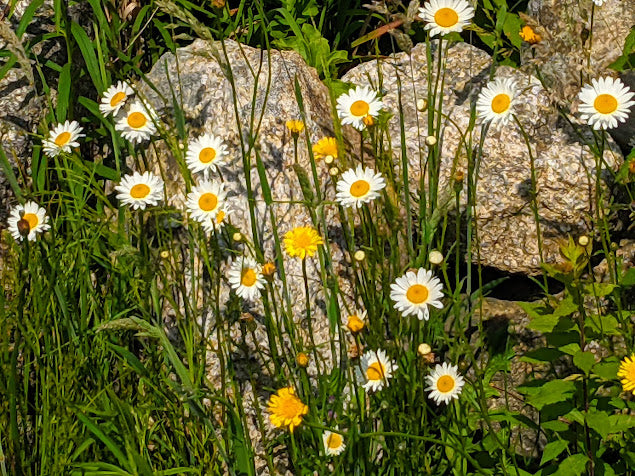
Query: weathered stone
[581, 40]
[564, 168]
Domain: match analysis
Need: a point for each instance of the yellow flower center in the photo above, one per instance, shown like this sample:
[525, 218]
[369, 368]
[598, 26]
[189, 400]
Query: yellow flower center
[137, 120]
[359, 188]
[117, 98]
[207, 155]
[248, 277]
[360, 108]
[446, 17]
[605, 104]
[291, 407]
[32, 219]
[501, 103]
[141, 190]
[208, 202]
[62, 139]
[334, 441]
[375, 371]
[220, 216]
[417, 293]
[445, 383]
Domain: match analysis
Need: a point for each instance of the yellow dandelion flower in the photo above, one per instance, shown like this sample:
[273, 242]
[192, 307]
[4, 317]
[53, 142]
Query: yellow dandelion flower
[286, 409]
[302, 359]
[325, 147]
[627, 371]
[529, 35]
[295, 126]
[302, 241]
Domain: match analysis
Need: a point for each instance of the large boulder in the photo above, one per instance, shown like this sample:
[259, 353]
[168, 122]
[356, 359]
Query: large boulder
[564, 167]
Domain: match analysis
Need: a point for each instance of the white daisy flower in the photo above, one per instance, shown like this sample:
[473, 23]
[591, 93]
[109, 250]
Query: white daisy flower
[605, 103]
[445, 16]
[445, 383]
[359, 186]
[115, 97]
[62, 138]
[245, 277]
[359, 107]
[205, 200]
[333, 443]
[33, 215]
[138, 124]
[495, 103]
[376, 370]
[599, 3]
[219, 221]
[204, 153]
[413, 292]
[140, 190]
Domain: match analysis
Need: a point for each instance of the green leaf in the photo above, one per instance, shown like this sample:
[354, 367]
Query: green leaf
[599, 421]
[606, 370]
[556, 425]
[605, 325]
[629, 278]
[88, 52]
[64, 92]
[621, 423]
[584, 361]
[599, 289]
[552, 450]
[551, 392]
[511, 28]
[574, 465]
[5, 166]
[541, 355]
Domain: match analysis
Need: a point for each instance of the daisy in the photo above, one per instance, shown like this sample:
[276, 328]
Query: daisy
[245, 277]
[325, 147]
[302, 241]
[413, 292]
[599, 3]
[205, 200]
[359, 186]
[219, 221]
[605, 102]
[138, 124]
[28, 219]
[627, 371]
[445, 383]
[204, 153]
[140, 190]
[496, 101]
[286, 409]
[445, 16]
[333, 443]
[115, 97]
[62, 138]
[358, 105]
[377, 369]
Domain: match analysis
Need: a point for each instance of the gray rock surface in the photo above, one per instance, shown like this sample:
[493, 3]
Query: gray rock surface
[580, 41]
[564, 167]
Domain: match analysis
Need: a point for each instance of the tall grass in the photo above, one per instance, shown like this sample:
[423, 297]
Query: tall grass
[122, 351]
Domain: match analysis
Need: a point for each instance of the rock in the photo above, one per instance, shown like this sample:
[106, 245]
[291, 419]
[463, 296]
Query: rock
[198, 74]
[564, 167]
[579, 41]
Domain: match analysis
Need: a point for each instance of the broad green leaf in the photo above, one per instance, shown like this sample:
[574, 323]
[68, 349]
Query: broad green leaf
[606, 325]
[599, 289]
[551, 392]
[599, 421]
[629, 278]
[541, 355]
[584, 361]
[606, 370]
[555, 425]
[552, 450]
[574, 465]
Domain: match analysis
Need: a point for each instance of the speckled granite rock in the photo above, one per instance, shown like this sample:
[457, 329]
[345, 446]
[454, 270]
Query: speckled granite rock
[573, 46]
[564, 167]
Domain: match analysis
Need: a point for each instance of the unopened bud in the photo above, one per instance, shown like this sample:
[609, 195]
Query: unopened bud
[355, 324]
[424, 349]
[431, 141]
[333, 171]
[436, 257]
[302, 360]
[368, 120]
[24, 228]
[422, 105]
[237, 236]
[359, 255]
[328, 160]
[165, 254]
[583, 240]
